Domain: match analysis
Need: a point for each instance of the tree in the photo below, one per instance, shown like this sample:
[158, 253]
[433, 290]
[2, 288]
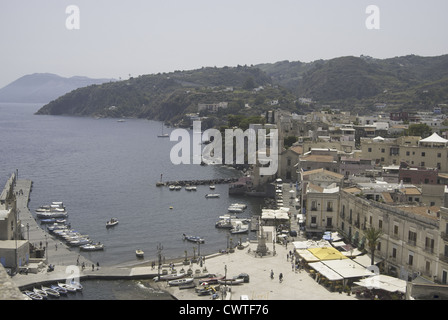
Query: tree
[249, 84]
[373, 236]
[419, 130]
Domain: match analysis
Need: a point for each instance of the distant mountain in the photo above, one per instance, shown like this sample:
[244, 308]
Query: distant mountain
[350, 83]
[43, 87]
[409, 81]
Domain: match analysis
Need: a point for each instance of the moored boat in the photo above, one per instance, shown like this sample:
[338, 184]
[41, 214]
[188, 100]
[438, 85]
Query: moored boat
[51, 292]
[139, 253]
[179, 282]
[33, 295]
[212, 195]
[231, 281]
[67, 287]
[77, 285]
[41, 292]
[194, 239]
[60, 290]
[169, 277]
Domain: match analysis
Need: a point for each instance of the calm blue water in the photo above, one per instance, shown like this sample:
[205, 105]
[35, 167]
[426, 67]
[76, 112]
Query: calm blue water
[101, 168]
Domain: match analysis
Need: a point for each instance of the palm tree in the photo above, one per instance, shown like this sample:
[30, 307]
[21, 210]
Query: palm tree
[373, 236]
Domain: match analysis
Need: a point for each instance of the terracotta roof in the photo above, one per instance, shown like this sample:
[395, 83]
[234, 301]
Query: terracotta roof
[322, 170]
[352, 190]
[412, 191]
[297, 149]
[387, 197]
[317, 158]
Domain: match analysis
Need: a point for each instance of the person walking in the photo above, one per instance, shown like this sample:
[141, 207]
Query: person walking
[280, 277]
[272, 274]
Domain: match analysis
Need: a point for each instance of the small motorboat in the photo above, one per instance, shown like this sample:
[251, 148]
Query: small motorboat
[139, 253]
[112, 222]
[179, 282]
[172, 187]
[212, 187]
[191, 188]
[92, 247]
[33, 295]
[232, 209]
[212, 195]
[67, 287]
[169, 277]
[51, 292]
[193, 239]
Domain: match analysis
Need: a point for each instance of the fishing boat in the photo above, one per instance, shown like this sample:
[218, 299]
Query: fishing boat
[212, 195]
[60, 290]
[67, 287]
[51, 292]
[139, 253]
[179, 282]
[231, 281]
[194, 239]
[92, 247]
[224, 224]
[41, 292]
[112, 222]
[33, 295]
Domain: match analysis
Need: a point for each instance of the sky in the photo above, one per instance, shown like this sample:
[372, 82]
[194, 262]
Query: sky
[117, 38]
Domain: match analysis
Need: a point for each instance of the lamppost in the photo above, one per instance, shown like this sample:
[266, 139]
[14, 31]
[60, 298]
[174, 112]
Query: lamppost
[28, 230]
[159, 253]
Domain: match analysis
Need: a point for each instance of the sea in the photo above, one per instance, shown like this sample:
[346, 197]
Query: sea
[102, 168]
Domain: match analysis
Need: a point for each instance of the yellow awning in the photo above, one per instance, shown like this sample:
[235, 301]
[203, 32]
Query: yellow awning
[327, 253]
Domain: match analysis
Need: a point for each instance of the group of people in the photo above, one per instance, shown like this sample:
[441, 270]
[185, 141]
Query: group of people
[280, 276]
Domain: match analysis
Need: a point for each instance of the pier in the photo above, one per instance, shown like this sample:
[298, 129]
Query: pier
[197, 182]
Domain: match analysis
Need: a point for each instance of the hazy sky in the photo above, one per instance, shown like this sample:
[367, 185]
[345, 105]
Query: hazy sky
[117, 38]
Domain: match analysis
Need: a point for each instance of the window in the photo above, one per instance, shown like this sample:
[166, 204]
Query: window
[369, 149]
[313, 205]
[330, 206]
[408, 153]
[411, 259]
[412, 237]
[439, 155]
[423, 154]
[394, 252]
[422, 164]
[429, 244]
[383, 150]
[329, 222]
[380, 224]
[396, 230]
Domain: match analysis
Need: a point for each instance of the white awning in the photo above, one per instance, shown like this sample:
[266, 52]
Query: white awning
[326, 271]
[383, 282]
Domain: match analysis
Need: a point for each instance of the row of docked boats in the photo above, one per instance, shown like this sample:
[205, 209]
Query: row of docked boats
[231, 222]
[54, 291]
[73, 238]
[55, 210]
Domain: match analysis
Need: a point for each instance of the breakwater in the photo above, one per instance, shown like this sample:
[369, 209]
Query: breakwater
[197, 182]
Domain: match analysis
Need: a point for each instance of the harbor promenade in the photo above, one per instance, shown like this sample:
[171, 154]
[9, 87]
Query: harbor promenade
[295, 285]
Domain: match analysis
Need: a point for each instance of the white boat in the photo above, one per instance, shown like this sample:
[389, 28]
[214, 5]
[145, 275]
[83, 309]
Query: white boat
[67, 287]
[112, 222]
[231, 281]
[139, 253]
[178, 188]
[41, 292]
[239, 205]
[51, 292]
[180, 282]
[212, 187]
[212, 195]
[235, 209]
[191, 188]
[78, 286]
[169, 277]
[171, 187]
[51, 214]
[92, 247]
[239, 227]
[33, 295]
